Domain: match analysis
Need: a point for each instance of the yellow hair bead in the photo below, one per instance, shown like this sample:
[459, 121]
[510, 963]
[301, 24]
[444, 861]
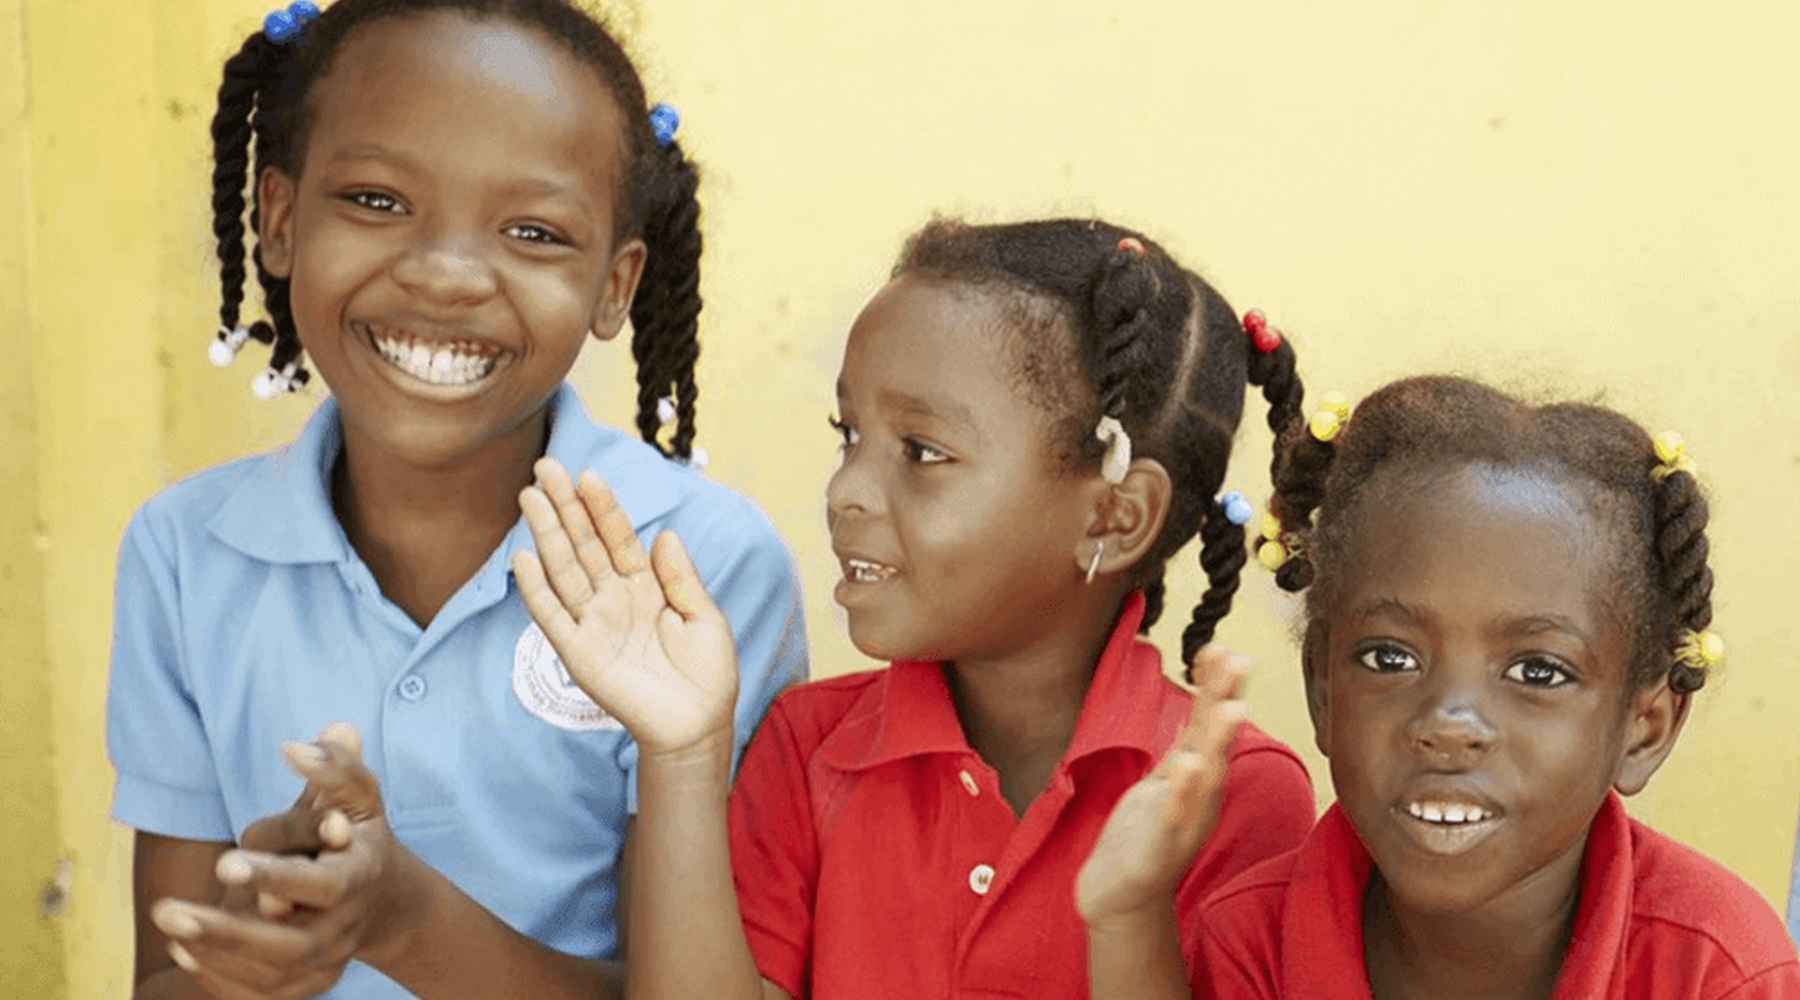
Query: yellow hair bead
[1700, 650]
[1325, 425]
[1271, 526]
[1670, 448]
[1337, 403]
[1272, 554]
[1671, 453]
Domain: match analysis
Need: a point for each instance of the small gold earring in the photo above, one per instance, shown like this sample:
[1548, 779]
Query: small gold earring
[1094, 563]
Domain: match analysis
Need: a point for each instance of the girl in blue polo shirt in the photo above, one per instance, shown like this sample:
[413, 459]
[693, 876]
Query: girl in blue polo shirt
[1034, 419]
[450, 198]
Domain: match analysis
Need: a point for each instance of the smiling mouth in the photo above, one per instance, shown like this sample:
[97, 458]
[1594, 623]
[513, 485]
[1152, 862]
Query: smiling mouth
[435, 362]
[865, 571]
[1447, 827]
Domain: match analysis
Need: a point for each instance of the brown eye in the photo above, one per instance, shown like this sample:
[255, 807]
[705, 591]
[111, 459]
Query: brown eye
[1538, 671]
[1387, 659]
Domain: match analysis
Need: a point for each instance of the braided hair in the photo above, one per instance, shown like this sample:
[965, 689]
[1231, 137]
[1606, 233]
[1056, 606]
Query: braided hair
[264, 118]
[1416, 425]
[1149, 344]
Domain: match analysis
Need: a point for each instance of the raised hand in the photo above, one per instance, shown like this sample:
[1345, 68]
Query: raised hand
[318, 912]
[637, 632]
[1160, 823]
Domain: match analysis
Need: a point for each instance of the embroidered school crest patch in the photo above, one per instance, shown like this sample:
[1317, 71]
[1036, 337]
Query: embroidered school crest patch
[543, 685]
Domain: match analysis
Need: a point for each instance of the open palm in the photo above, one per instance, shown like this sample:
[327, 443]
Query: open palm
[636, 631]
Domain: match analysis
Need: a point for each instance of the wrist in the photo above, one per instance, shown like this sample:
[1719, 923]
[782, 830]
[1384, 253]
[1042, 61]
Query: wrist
[399, 923]
[1153, 915]
[706, 757]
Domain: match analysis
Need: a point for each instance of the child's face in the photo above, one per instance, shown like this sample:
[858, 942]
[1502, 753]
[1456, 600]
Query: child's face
[450, 238]
[954, 528]
[1470, 663]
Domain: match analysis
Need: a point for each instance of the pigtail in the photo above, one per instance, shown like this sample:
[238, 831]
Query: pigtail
[665, 314]
[247, 75]
[1271, 367]
[1687, 581]
[1123, 292]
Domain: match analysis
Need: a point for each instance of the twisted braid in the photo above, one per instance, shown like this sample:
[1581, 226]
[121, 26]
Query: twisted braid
[665, 314]
[1687, 581]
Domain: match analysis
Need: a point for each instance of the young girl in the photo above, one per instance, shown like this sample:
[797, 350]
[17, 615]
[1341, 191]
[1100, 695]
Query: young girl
[451, 198]
[1508, 615]
[1035, 417]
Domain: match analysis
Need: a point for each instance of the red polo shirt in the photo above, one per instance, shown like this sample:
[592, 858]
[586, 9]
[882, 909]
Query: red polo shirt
[875, 857]
[1656, 919]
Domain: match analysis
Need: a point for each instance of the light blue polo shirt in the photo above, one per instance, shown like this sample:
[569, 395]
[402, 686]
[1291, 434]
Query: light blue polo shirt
[245, 618]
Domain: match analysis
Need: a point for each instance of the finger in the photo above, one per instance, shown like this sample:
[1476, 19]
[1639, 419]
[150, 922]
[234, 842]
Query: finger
[321, 883]
[568, 579]
[680, 582]
[344, 782]
[343, 734]
[186, 928]
[211, 932]
[224, 976]
[545, 607]
[576, 522]
[293, 832]
[1218, 671]
[616, 533]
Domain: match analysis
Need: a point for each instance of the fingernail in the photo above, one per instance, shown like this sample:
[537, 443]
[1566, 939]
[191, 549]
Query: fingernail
[272, 906]
[176, 921]
[182, 958]
[335, 829]
[234, 869]
[303, 753]
[1241, 662]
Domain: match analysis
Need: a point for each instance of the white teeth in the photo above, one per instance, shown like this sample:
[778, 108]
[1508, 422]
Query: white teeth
[863, 571]
[453, 364]
[1446, 812]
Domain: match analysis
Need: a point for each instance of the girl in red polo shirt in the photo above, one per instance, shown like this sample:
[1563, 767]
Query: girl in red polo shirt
[1034, 419]
[1508, 615]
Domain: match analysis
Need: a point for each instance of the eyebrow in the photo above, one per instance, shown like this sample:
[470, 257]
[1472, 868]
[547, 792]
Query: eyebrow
[1392, 607]
[920, 406]
[1538, 624]
[370, 151]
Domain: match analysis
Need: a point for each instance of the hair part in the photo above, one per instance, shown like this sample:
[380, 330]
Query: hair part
[265, 116]
[1108, 331]
[1410, 429]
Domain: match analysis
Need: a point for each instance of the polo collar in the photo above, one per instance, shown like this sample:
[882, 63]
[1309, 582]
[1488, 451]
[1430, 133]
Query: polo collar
[909, 711]
[1321, 921]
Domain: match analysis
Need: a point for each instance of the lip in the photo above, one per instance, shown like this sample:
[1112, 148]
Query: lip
[364, 333]
[1447, 839]
[851, 592]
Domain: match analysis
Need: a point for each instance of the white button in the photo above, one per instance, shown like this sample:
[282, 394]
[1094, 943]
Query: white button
[412, 687]
[981, 878]
[968, 783]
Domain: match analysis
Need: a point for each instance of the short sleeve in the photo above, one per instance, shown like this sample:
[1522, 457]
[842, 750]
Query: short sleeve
[750, 575]
[775, 855]
[1268, 811]
[166, 777]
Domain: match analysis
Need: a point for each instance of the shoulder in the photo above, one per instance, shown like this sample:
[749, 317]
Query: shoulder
[1243, 916]
[1268, 787]
[1685, 902]
[179, 516]
[814, 711]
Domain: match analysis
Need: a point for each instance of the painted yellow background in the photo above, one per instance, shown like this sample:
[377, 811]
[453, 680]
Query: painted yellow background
[1565, 197]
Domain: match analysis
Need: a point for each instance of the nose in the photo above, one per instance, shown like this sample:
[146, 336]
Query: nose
[852, 490]
[1451, 732]
[446, 272]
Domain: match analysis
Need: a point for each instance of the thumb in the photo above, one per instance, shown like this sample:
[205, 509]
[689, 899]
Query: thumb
[336, 770]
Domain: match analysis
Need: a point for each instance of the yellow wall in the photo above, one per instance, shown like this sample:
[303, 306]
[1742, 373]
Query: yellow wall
[1565, 197]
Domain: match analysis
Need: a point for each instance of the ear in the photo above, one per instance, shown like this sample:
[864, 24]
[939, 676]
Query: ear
[1315, 669]
[275, 218]
[1657, 715]
[622, 277]
[1125, 518]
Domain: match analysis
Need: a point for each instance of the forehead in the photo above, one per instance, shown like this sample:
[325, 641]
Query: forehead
[1475, 541]
[483, 88]
[929, 333]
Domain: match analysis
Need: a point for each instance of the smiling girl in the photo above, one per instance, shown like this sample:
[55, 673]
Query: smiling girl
[1034, 418]
[1508, 617]
[451, 198]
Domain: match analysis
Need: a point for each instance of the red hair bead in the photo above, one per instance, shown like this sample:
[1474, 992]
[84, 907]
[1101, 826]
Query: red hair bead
[1263, 337]
[1132, 244]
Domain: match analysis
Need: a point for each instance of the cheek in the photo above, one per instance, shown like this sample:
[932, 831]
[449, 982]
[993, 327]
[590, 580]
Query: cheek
[553, 298]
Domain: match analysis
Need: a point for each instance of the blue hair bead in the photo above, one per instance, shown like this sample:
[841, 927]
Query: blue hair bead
[665, 121]
[304, 11]
[281, 27]
[1237, 510]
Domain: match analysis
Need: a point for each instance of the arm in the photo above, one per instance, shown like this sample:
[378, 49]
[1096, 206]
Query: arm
[1126, 889]
[640, 635]
[364, 896]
